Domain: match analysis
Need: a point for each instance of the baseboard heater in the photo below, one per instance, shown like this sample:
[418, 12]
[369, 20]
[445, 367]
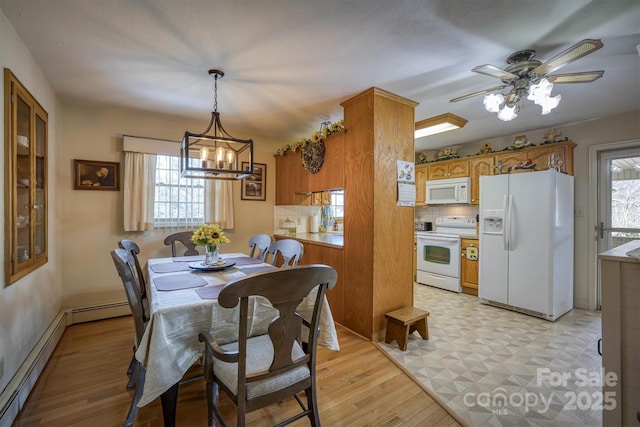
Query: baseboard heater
[99, 312]
[15, 394]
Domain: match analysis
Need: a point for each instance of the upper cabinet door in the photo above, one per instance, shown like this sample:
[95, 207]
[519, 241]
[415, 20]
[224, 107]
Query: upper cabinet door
[26, 135]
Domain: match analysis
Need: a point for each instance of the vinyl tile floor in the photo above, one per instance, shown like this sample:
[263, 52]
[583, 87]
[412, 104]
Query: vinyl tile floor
[496, 367]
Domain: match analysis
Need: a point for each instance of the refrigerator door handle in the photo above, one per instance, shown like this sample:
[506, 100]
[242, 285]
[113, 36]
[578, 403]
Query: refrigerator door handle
[505, 239]
[509, 221]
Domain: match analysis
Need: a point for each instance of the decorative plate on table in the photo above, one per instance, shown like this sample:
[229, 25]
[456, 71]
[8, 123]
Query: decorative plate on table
[199, 265]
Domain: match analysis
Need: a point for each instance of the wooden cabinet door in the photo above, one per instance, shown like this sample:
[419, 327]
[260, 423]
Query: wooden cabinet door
[448, 169]
[26, 199]
[540, 155]
[331, 174]
[421, 184]
[469, 268]
[317, 254]
[291, 180]
[438, 170]
[458, 168]
[478, 167]
[510, 158]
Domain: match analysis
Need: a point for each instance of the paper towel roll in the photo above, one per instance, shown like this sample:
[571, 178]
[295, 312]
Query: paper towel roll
[314, 223]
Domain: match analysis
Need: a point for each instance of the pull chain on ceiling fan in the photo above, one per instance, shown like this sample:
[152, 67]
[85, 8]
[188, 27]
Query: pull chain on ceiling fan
[528, 77]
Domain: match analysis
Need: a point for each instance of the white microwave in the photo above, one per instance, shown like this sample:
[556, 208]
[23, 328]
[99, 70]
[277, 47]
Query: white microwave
[451, 191]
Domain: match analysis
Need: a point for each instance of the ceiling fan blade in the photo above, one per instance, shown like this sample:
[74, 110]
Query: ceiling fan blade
[583, 77]
[493, 71]
[471, 95]
[575, 52]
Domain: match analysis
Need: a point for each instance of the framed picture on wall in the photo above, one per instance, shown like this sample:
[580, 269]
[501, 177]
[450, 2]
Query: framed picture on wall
[96, 175]
[254, 187]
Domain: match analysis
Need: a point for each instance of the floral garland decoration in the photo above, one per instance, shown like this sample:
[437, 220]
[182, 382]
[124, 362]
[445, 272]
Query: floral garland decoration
[319, 136]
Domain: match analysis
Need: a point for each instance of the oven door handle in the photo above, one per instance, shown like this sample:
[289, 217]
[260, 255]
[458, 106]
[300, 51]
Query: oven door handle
[437, 239]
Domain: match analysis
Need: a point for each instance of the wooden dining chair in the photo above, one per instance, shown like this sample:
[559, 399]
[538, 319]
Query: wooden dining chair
[182, 238]
[134, 250]
[125, 265]
[258, 371]
[290, 250]
[259, 245]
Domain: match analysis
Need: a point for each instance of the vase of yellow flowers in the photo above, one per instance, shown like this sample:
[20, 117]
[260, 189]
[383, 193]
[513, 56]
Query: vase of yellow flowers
[211, 237]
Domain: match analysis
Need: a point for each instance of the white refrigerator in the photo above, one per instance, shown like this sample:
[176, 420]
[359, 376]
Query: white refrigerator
[526, 242]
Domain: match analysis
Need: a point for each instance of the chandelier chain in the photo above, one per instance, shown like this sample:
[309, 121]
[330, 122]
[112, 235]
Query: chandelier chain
[215, 93]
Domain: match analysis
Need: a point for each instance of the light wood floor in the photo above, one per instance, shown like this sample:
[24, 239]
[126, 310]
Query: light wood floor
[84, 384]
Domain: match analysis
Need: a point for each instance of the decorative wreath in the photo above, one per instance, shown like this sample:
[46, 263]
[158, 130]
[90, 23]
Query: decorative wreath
[313, 156]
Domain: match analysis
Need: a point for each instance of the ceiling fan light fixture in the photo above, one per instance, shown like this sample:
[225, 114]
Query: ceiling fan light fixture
[549, 103]
[215, 155]
[528, 77]
[508, 113]
[442, 123]
[493, 101]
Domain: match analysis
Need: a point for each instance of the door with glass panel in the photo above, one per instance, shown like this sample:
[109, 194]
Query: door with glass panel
[618, 219]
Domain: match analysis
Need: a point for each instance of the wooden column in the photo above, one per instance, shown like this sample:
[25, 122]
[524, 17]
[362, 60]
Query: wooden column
[378, 236]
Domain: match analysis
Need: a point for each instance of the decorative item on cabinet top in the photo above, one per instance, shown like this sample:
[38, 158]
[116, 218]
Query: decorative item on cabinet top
[326, 129]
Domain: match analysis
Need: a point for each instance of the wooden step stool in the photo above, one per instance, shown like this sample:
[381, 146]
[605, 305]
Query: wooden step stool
[402, 322]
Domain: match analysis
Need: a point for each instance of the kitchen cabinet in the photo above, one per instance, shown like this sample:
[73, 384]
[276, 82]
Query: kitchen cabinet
[477, 167]
[421, 184]
[538, 156]
[26, 133]
[321, 198]
[318, 254]
[620, 352]
[469, 266]
[331, 174]
[295, 185]
[448, 169]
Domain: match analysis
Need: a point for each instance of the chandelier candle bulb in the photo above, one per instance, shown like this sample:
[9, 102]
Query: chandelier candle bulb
[230, 158]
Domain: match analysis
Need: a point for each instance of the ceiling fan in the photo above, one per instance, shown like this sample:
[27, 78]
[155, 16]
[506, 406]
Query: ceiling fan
[529, 77]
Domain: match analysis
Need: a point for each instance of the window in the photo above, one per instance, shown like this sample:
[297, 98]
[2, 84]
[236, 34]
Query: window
[178, 202]
[337, 203]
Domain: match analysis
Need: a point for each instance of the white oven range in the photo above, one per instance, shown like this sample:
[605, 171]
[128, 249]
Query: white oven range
[438, 252]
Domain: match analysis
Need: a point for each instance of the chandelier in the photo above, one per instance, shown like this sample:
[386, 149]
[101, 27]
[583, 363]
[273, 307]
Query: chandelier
[507, 106]
[215, 155]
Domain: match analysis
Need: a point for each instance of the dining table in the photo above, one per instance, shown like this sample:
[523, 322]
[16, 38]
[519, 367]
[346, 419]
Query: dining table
[183, 302]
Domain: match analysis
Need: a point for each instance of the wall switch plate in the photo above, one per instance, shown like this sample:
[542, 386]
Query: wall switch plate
[578, 212]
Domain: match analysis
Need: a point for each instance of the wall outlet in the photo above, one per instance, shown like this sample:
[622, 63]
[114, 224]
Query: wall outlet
[578, 212]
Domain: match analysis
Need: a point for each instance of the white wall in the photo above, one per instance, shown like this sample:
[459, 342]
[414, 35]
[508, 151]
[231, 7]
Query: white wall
[28, 306]
[92, 221]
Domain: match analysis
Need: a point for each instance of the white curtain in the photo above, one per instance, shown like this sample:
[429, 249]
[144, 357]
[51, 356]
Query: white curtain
[218, 203]
[139, 191]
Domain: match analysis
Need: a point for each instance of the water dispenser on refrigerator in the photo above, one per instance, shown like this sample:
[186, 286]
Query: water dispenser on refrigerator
[492, 221]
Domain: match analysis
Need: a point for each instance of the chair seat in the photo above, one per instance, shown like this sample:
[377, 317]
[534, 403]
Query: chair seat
[259, 358]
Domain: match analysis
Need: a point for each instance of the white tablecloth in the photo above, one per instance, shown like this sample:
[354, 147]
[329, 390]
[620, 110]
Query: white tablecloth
[170, 343]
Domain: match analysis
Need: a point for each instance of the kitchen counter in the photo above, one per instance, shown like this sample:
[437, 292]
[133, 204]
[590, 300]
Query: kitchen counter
[333, 240]
[620, 312]
[620, 253]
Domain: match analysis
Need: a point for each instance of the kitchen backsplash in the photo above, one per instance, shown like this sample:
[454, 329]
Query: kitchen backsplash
[429, 213]
[299, 214]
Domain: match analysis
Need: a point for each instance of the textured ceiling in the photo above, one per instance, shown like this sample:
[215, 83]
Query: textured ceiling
[289, 63]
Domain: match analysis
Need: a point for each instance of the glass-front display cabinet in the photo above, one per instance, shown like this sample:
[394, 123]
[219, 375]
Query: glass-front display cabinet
[26, 133]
